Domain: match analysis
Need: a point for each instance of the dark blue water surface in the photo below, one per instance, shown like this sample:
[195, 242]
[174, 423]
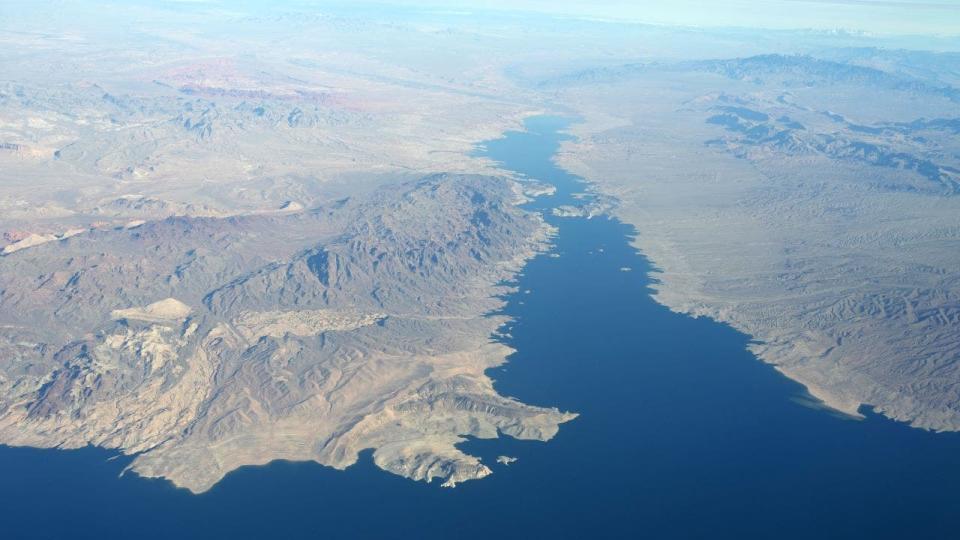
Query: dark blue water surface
[681, 434]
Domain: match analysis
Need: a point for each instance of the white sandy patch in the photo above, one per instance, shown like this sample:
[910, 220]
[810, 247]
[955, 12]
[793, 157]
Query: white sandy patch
[164, 311]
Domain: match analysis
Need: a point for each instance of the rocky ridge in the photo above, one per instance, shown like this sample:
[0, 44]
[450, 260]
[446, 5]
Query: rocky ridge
[207, 344]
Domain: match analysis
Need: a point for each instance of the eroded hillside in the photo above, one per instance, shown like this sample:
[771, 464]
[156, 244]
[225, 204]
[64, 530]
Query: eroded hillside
[206, 344]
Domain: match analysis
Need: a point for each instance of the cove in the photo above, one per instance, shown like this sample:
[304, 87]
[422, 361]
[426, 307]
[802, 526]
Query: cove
[682, 434]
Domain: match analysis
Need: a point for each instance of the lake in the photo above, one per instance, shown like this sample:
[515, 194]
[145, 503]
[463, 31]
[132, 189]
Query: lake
[682, 434]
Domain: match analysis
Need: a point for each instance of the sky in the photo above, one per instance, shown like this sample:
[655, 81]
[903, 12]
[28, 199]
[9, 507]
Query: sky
[923, 19]
[889, 17]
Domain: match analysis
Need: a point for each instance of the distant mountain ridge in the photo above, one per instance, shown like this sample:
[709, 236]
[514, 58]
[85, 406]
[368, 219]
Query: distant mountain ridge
[802, 70]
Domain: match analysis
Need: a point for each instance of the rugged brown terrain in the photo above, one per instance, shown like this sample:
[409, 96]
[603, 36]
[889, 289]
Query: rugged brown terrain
[205, 344]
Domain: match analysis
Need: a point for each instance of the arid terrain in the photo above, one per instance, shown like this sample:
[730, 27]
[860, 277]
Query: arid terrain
[801, 201]
[235, 236]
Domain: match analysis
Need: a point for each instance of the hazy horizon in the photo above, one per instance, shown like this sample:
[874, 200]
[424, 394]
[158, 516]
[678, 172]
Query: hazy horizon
[881, 17]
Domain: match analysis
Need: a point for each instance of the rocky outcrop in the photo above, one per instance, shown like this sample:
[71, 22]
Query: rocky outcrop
[207, 344]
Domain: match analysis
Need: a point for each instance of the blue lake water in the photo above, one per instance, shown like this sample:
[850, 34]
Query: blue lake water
[681, 434]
